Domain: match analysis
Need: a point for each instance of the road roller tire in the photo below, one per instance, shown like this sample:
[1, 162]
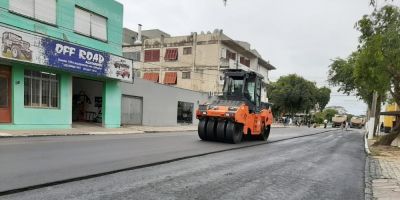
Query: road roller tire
[221, 127]
[211, 129]
[234, 133]
[265, 133]
[201, 130]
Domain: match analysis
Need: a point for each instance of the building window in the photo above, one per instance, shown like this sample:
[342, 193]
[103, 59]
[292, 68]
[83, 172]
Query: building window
[187, 50]
[41, 89]
[185, 112]
[230, 55]
[185, 75]
[171, 54]
[245, 61]
[90, 24]
[42, 10]
[152, 55]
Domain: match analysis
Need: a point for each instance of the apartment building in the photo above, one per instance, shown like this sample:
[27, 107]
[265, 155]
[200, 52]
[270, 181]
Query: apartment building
[195, 62]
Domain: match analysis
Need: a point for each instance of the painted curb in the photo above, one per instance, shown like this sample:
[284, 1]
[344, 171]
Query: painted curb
[366, 147]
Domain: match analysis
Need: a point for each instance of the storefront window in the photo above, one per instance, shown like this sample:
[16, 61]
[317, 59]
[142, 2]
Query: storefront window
[41, 89]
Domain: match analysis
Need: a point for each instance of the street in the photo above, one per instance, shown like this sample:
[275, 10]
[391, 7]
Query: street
[329, 165]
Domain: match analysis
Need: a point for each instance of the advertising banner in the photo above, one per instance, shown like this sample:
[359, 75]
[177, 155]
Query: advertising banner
[21, 46]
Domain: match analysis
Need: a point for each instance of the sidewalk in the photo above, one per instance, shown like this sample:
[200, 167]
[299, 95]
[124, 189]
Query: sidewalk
[93, 129]
[384, 169]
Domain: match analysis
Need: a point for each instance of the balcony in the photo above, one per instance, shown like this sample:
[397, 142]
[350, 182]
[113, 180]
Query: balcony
[232, 64]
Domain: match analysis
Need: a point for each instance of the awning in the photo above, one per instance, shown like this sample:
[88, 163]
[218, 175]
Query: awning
[171, 54]
[151, 77]
[170, 78]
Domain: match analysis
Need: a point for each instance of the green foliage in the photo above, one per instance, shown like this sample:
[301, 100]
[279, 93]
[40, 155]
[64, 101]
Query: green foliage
[323, 97]
[329, 113]
[292, 94]
[375, 65]
[319, 117]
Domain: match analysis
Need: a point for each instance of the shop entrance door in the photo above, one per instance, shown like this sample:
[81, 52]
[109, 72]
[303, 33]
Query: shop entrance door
[5, 95]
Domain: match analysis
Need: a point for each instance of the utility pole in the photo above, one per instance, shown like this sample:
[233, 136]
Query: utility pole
[371, 123]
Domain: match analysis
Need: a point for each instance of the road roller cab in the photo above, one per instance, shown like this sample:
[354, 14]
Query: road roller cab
[238, 112]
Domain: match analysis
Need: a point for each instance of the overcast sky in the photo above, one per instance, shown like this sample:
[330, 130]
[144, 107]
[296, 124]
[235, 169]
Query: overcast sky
[295, 36]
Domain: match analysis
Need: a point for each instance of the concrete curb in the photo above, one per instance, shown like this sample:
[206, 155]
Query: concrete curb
[368, 192]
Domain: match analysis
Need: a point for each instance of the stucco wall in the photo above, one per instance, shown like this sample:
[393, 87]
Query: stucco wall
[65, 23]
[160, 102]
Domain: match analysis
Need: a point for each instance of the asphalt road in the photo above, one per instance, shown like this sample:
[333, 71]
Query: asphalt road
[322, 166]
[37, 160]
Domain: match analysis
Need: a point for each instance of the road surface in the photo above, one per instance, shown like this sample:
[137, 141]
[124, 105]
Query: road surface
[328, 165]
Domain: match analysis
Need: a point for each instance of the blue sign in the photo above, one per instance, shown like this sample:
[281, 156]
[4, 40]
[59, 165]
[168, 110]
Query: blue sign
[75, 58]
[63, 55]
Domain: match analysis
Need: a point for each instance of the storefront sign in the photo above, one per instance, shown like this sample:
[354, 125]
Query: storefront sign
[35, 49]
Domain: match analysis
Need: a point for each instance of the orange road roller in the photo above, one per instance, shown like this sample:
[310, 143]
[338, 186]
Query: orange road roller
[238, 112]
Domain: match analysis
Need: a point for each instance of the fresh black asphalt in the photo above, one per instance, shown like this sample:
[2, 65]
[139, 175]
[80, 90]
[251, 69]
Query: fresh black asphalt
[323, 166]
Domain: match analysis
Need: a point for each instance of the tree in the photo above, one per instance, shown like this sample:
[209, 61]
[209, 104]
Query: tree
[329, 113]
[292, 94]
[323, 97]
[375, 66]
[319, 117]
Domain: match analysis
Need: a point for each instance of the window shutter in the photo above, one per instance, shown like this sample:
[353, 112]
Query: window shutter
[155, 55]
[82, 21]
[99, 27]
[25, 7]
[170, 78]
[171, 54]
[45, 10]
[151, 77]
[147, 55]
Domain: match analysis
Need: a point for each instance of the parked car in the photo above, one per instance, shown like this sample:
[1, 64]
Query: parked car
[14, 43]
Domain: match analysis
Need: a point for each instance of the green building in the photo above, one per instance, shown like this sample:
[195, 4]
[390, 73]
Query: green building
[60, 63]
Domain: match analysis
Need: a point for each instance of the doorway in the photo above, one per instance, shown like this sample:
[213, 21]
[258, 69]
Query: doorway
[5, 94]
[87, 101]
[132, 110]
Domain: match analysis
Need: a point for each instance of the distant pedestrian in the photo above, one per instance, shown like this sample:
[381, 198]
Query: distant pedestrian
[343, 125]
[382, 127]
[325, 123]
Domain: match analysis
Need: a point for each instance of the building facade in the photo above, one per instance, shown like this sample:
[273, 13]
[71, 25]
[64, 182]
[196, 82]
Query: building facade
[153, 104]
[195, 62]
[60, 62]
